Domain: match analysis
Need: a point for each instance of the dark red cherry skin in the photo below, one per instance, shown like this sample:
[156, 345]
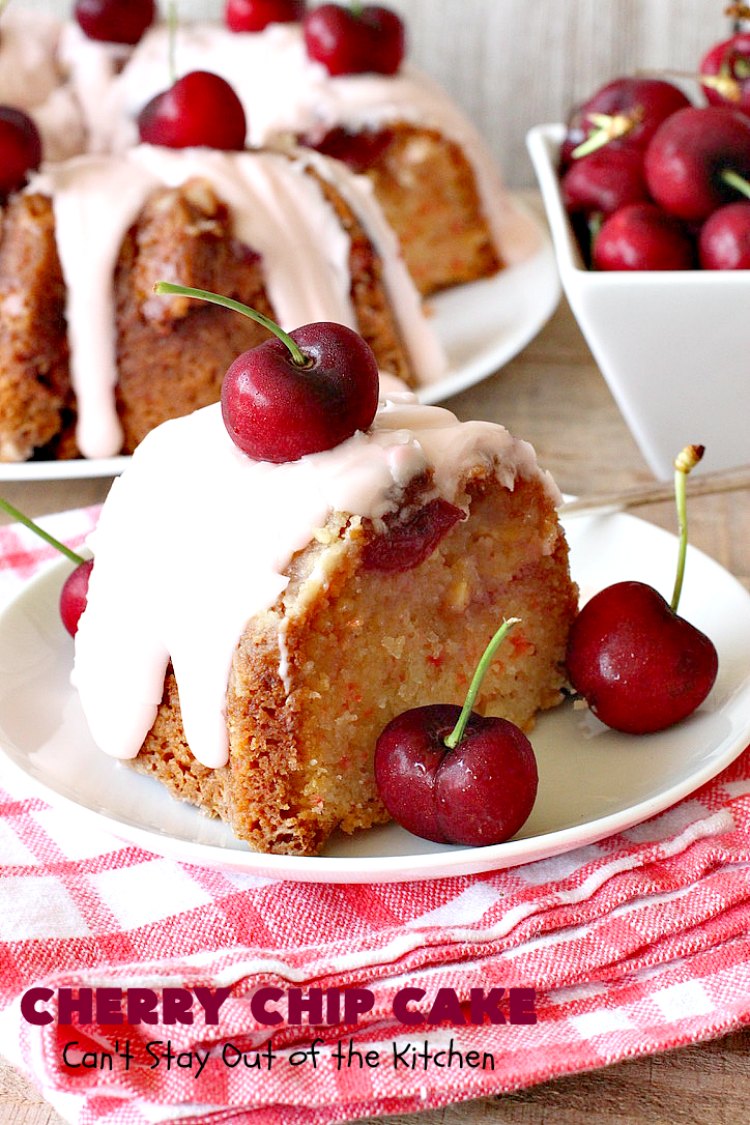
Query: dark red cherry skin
[20, 149]
[407, 544]
[115, 21]
[724, 73]
[255, 15]
[642, 237]
[74, 594]
[649, 100]
[199, 110]
[480, 793]
[349, 41]
[724, 240]
[640, 666]
[275, 410]
[359, 151]
[687, 156]
[604, 181]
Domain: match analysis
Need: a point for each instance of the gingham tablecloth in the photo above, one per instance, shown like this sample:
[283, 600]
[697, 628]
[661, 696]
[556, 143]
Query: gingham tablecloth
[633, 945]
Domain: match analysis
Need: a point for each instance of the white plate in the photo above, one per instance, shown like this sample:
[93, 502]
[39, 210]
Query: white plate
[593, 781]
[481, 325]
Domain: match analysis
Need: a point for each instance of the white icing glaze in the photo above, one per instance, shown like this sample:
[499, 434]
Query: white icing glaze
[195, 538]
[277, 209]
[284, 92]
[31, 79]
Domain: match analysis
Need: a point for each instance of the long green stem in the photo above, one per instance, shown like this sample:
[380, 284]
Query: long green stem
[168, 288]
[735, 180]
[684, 463]
[21, 518]
[457, 733]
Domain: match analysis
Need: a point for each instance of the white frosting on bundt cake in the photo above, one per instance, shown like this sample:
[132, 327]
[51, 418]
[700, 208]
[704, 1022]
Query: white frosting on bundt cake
[284, 94]
[196, 539]
[278, 211]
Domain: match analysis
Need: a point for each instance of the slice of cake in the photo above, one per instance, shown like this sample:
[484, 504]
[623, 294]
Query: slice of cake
[90, 360]
[252, 627]
[431, 171]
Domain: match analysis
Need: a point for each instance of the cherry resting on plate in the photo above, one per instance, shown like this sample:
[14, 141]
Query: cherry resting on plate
[698, 160]
[254, 15]
[450, 775]
[115, 21]
[642, 237]
[75, 588]
[641, 667]
[724, 73]
[298, 393]
[20, 149]
[724, 240]
[198, 110]
[627, 111]
[355, 40]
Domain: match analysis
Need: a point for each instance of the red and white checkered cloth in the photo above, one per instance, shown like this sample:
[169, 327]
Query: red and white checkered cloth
[634, 945]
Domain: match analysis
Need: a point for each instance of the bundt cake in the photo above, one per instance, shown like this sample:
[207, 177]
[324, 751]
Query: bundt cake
[90, 360]
[430, 170]
[251, 627]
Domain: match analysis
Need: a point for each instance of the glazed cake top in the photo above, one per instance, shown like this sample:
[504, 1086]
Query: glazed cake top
[196, 538]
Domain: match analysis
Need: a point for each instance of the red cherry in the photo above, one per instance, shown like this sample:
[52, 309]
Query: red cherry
[115, 21]
[405, 545]
[692, 158]
[724, 73]
[640, 666]
[349, 41]
[74, 594]
[481, 792]
[642, 237]
[635, 108]
[20, 148]
[278, 410]
[604, 181]
[199, 110]
[724, 240]
[254, 15]
[360, 151]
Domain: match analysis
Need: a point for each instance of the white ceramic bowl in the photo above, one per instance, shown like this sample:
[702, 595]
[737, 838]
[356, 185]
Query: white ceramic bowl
[674, 346]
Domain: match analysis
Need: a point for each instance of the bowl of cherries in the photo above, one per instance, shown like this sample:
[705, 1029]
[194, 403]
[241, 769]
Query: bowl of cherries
[647, 194]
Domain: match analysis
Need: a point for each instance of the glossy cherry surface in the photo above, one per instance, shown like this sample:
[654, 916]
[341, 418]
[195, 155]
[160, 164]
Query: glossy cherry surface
[724, 73]
[689, 157]
[724, 240]
[200, 110]
[639, 665]
[276, 409]
[604, 181]
[482, 792]
[74, 594]
[115, 21]
[355, 40]
[641, 236]
[255, 15]
[20, 148]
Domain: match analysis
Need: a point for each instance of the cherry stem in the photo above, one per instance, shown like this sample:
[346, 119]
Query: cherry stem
[735, 180]
[684, 463]
[356, 7]
[457, 733]
[609, 128]
[298, 356]
[172, 40]
[21, 518]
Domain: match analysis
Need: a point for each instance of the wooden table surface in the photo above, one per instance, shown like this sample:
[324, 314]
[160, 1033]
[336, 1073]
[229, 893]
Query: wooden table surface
[553, 395]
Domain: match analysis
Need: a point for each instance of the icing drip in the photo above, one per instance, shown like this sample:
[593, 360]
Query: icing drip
[277, 209]
[170, 584]
[285, 93]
